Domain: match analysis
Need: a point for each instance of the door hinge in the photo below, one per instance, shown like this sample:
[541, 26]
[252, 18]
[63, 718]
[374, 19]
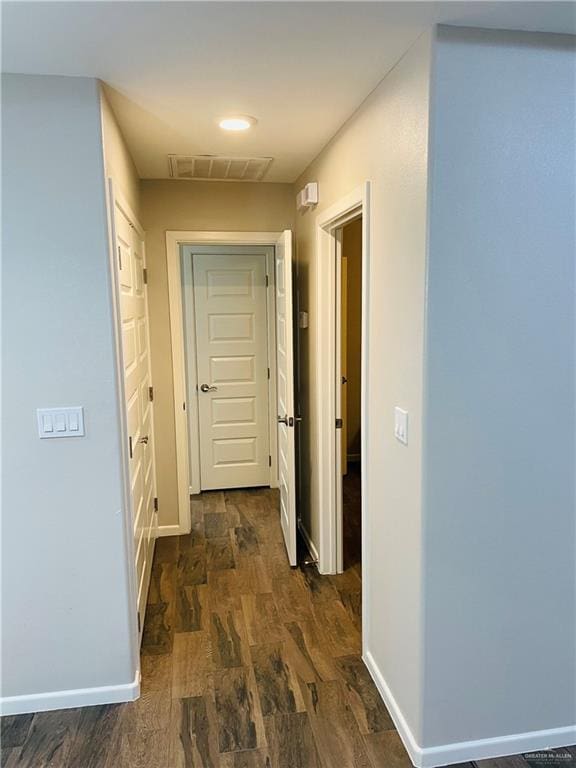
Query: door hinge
[155, 503]
[139, 622]
[150, 393]
[339, 424]
[269, 461]
[183, 406]
[130, 446]
[268, 372]
[145, 275]
[119, 258]
[267, 281]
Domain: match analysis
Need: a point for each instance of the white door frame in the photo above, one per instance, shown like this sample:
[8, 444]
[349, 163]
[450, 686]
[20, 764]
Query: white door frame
[188, 466]
[328, 224]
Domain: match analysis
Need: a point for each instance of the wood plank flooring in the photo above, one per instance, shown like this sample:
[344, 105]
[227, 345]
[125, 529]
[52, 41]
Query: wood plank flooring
[246, 663]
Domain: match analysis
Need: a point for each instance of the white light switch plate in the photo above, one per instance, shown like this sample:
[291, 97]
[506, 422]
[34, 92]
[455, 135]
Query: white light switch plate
[401, 425]
[61, 422]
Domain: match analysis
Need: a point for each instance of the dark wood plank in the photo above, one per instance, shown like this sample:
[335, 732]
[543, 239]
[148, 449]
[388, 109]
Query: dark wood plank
[166, 549]
[96, 741]
[277, 686]
[156, 673]
[291, 742]
[513, 761]
[253, 758]
[50, 739]
[158, 634]
[215, 525]
[219, 555]
[387, 751]
[194, 734]
[368, 707]
[307, 651]
[223, 590]
[341, 635]
[191, 665]
[213, 501]
[191, 567]
[252, 575]
[141, 749]
[292, 597]
[191, 608]
[229, 641]
[162, 582]
[235, 707]
[261, 618]
[335, 730]
[246, 540]
[151, 711]
[319, 587]
[10, 757]
[14, 729]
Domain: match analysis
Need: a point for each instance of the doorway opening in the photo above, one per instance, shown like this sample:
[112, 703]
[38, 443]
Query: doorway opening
[230, 296]
[342, 408]
[349, 377]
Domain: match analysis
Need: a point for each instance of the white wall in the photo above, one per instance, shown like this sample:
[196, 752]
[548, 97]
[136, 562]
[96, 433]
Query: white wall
[385, 142]
[499, 502]
[65, 605]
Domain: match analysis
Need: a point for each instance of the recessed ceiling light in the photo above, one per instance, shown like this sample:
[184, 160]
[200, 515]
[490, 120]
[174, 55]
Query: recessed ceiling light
[237, 123]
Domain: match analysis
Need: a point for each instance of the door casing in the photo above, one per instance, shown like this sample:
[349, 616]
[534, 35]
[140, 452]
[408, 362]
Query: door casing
[189, 482]
[329, 224]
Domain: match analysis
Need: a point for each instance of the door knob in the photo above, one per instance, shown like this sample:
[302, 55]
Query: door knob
[283, 420]
[288, 420]
[144, 440]
[207, 388]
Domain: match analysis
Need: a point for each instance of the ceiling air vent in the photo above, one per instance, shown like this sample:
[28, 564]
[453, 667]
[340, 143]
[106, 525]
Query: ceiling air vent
[218, 168]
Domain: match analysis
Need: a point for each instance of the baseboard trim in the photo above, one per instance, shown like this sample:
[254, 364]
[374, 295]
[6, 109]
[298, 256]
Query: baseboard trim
[412, 747]
[78, 697]
[309, 543]
[465, 751]
[170, 530]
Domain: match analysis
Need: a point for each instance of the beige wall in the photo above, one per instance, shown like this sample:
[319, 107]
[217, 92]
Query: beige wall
[385, 142]
[352, 252]
[190, 205]
[117, 159]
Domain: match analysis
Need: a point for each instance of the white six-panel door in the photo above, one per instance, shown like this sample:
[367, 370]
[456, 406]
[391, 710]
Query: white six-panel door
[232, 367]
[285, 397]
[137, 382]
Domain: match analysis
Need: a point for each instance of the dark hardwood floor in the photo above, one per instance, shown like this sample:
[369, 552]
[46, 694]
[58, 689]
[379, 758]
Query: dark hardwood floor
[246, 663]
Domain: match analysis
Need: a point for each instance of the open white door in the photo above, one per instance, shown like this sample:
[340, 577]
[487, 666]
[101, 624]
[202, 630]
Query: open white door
[285, 384]
[340, 390]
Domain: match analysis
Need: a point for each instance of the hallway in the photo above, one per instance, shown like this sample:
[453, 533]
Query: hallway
[246, 663]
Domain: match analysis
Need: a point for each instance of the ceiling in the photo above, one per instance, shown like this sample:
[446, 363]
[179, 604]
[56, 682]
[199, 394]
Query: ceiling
[301, 68]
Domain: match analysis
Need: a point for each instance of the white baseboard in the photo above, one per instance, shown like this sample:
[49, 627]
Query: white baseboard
[413, 749]
[170, 530]
[309, 543]
[78, 697]
[466, 751]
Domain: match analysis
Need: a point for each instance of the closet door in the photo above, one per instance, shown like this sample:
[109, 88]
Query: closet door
[135, 344]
